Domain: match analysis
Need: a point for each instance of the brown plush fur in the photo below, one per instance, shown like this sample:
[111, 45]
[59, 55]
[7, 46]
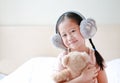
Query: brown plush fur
[74, 62]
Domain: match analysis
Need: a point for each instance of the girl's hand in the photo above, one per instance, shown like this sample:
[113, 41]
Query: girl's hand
[89, 73]
[87, 76]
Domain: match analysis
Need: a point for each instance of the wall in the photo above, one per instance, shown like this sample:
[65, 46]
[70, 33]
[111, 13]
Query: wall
[40, 12]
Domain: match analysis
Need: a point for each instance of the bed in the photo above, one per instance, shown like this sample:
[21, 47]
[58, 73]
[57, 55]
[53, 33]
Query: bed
[40, 69]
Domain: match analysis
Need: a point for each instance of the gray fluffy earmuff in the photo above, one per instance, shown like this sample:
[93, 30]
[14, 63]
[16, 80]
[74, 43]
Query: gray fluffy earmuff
[87, 28]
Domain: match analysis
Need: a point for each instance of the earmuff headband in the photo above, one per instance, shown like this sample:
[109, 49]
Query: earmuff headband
[87, 28]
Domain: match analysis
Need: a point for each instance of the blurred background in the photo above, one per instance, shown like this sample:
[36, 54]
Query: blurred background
[26, 27]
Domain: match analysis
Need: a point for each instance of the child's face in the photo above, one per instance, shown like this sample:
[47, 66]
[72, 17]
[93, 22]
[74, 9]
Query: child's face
[70, 33]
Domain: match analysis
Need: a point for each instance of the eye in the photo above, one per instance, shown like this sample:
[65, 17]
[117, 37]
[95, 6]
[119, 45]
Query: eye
[64, 35]
[73, 30]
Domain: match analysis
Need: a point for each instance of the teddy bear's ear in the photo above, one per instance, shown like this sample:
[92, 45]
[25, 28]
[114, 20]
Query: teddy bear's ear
[65, 60]
[86, 57]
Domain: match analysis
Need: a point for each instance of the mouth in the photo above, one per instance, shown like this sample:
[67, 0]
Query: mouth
[72, 42]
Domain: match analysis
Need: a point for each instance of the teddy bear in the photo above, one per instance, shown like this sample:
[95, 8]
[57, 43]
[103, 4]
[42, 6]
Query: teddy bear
[74, 63]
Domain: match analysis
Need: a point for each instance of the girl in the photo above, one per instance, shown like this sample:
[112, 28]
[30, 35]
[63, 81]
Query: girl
[68, 28]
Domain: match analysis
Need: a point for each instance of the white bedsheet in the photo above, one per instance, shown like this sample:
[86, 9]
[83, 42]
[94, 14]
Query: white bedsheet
[39, 70]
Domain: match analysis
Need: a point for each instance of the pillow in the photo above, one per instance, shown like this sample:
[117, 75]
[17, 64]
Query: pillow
[36, 70]
[113, 71]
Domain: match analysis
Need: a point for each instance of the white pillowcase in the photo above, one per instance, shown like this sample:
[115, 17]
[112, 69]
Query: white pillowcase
[113, 71]
[36, 70]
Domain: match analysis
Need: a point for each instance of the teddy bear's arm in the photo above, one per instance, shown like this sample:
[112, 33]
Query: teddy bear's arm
[61, 76]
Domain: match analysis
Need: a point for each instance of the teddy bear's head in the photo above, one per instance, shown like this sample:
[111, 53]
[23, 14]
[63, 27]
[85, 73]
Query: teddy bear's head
[75, 62]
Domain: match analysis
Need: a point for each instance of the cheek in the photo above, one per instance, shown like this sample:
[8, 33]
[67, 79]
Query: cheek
[65, 42]
[81, 35]
[80, 38]
[78, 35]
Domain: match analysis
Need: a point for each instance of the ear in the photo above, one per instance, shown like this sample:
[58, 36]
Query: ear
[86, 57]
[65, 60]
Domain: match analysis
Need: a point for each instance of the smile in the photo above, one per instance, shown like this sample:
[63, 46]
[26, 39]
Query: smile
[72, 42]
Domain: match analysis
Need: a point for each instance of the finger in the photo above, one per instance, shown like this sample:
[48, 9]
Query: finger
[93, 81]
[95, 74]
[89, 66]
[97, 70]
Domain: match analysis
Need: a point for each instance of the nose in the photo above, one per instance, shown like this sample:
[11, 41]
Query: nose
[69, 37]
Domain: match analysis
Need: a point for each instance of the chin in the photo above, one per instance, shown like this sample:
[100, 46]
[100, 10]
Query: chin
[73, 47]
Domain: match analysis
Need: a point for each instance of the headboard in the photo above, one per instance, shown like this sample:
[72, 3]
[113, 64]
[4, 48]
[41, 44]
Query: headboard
[21, 43]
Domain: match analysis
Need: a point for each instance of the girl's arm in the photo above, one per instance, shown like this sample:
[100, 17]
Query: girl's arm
[87, 76]
[102, 78]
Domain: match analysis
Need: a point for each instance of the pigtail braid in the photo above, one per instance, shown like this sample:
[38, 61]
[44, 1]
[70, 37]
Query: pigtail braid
[99, 58]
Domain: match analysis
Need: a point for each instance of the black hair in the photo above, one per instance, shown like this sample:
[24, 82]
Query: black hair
[99, 58]
[78, 18]
[71, 15]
